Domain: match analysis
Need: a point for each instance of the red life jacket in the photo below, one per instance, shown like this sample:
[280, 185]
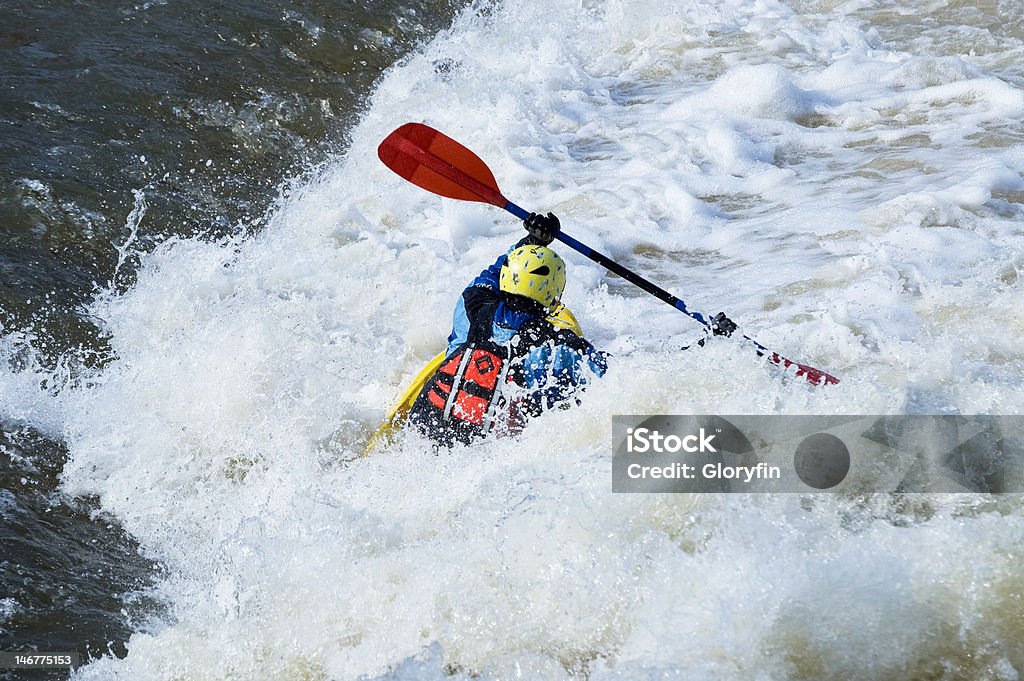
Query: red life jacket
[467, 387]
[464, 398]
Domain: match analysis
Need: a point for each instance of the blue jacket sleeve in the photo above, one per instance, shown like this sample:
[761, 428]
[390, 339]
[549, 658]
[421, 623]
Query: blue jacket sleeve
[554, 371]
[475, 306]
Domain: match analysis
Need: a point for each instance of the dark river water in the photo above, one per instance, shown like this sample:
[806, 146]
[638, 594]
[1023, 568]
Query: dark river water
[210, 109]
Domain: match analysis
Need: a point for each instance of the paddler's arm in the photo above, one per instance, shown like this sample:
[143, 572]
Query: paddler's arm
[480, 297]
[475, 307]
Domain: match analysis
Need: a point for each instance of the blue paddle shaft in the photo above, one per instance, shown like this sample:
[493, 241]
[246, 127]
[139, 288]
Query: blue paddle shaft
[814, 376]
[612, 266]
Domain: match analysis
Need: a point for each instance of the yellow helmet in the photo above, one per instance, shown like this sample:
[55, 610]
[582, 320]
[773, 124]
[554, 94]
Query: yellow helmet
[535, 272]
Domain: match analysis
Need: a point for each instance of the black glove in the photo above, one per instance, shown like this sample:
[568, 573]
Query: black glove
[722, 325]
[542, 228]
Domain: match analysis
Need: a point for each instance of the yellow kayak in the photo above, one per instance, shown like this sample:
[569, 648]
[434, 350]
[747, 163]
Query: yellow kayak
[398, 413]
[395, 419]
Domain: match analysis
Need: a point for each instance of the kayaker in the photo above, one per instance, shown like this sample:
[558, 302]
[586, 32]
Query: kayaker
[514, 350]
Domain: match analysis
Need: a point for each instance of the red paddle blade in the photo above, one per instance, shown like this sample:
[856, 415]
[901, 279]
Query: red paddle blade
[437, 163]
[812, 375]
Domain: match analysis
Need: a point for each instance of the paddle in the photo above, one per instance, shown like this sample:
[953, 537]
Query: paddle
[439, 164]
